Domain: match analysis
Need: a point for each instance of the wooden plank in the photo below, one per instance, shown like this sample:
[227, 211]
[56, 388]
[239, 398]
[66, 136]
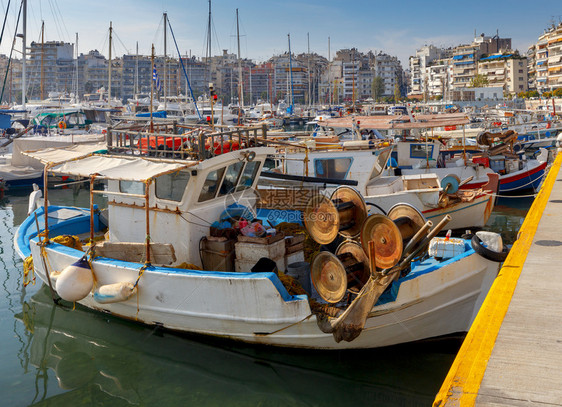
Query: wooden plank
[160, 253]
[262, 240]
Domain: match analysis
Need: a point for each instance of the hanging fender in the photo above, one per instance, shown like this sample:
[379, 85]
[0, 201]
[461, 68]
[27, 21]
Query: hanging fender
[117, 292]
[75, 281]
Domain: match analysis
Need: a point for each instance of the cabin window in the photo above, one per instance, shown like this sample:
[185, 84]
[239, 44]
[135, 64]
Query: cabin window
[172, 186]
[132, 187]
[211, 185]
[248, 175]
[231, 178]
[421, 151]
[336, 168]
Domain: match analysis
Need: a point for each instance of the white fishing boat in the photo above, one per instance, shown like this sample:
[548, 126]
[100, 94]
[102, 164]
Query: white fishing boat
[158, 213]
[364, 165]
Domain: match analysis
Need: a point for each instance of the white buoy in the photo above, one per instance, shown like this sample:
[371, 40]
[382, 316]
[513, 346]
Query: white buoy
[110, 293]
[75, 281]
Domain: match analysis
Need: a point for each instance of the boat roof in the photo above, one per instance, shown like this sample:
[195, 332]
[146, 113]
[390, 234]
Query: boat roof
[59, 155]
[400, 121]
[81, 160]
[119, 167]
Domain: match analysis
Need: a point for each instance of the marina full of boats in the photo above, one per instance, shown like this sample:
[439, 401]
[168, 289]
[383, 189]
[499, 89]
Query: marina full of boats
[361, 234]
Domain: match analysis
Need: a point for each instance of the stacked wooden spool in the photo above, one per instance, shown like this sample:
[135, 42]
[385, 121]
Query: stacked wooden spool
[349, 268]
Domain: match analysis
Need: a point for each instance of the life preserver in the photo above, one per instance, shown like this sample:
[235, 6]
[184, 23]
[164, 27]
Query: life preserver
[491, 255]
[62, 124]
[226, 147]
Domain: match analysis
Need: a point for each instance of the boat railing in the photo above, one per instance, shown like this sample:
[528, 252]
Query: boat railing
[194, 142]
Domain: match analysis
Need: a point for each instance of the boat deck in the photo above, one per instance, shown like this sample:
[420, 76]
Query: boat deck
[513, 352]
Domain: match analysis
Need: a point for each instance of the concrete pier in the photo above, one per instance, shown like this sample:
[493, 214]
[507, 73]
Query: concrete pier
[512, 355]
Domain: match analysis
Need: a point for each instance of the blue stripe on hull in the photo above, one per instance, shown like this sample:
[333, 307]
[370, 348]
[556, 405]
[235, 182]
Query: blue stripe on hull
[530, 182]
[24, 183]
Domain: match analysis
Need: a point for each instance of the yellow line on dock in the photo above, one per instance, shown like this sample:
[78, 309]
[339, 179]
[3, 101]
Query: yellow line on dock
[465, 376]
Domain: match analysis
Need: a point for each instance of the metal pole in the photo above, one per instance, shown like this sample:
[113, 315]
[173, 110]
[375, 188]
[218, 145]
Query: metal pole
[147, 218]
[92, 178]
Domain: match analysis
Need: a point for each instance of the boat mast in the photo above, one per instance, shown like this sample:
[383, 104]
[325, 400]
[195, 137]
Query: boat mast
[110, 63]
[329, 76]
[137, 71]
[208, 68]
[291, 74]
[353, 82]
[165, 63]
[42, 59]
[24, 57]
[152, 89]
[240, 86]
[76, 97]
[308, 69]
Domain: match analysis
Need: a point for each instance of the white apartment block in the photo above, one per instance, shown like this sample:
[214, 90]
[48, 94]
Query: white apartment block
[545, 62]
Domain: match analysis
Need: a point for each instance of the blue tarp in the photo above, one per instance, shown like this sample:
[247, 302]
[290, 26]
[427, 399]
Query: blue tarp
[160, 114]
[5, 121]
[464, 63]
[541, 62]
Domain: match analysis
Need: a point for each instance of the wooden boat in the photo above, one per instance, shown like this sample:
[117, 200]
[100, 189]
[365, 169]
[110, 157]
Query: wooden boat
[167, 206]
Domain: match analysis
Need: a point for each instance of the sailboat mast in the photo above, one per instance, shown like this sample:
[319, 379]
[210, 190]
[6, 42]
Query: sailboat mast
[329, 75]
[240, 88]
[308, 69]
[24, 57]
[208, 70]
[291, 74]
[76, 97]
[152, 89]
[42, 60]
[137, 71]
[165, 63]
[110, 63]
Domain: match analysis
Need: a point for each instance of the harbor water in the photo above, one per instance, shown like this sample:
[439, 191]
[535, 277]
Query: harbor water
[54, 355]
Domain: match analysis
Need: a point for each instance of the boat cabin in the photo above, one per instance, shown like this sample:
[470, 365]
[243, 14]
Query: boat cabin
[169, 203]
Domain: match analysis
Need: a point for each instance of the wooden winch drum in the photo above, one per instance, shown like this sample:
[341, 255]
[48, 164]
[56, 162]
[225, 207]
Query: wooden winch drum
[332, 275]
[344, 213]
[352, 210]
[387, 239]
[356, 264]
[408, 219]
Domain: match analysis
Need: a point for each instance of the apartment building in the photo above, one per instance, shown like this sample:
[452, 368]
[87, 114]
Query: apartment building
[545, 60]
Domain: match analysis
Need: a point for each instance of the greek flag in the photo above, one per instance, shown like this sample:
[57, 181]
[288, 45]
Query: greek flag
[156, 80]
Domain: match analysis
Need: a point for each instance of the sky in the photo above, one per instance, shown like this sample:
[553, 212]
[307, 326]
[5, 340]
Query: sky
[395, 27]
